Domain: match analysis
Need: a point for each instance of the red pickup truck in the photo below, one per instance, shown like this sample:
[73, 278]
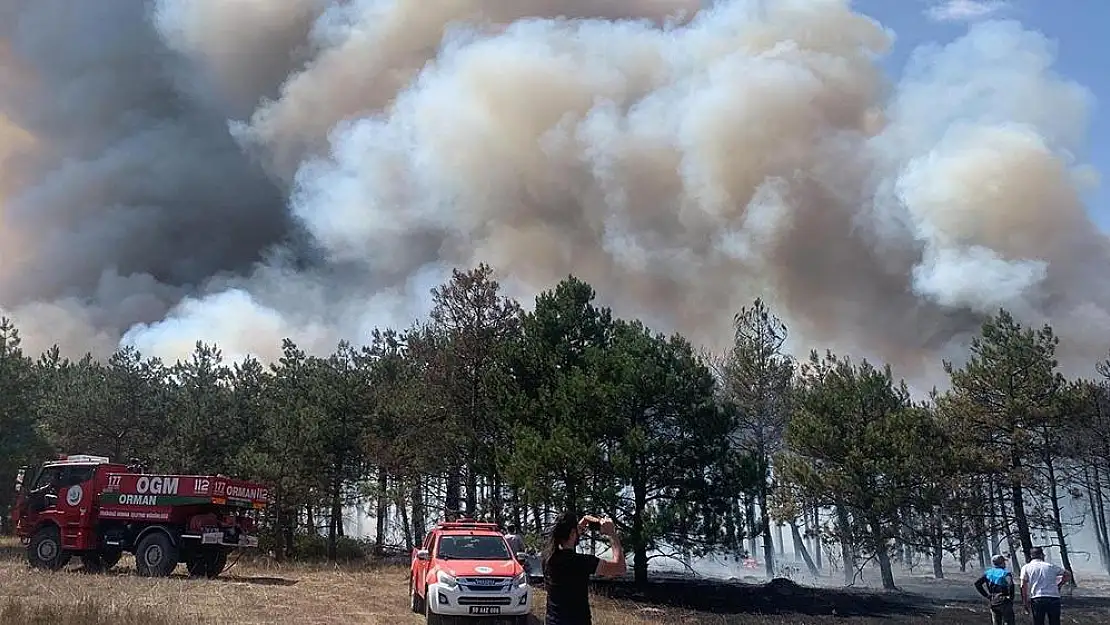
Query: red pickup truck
[466, 569]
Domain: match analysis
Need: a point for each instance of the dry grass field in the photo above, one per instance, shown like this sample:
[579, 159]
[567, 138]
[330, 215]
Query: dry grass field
[269, 594]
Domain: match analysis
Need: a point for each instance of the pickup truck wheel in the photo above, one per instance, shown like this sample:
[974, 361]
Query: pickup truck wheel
[45, 551]
[155, 556]
[416, 600]
[431, 617]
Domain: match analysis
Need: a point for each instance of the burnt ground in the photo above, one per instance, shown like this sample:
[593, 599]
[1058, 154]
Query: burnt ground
[920, 599]
[779, 596]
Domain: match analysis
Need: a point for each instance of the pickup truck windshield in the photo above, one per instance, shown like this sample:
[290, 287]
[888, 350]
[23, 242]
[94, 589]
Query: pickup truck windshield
[473, 548]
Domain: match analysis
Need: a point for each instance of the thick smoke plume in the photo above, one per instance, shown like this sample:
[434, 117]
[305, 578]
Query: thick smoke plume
[244, 170]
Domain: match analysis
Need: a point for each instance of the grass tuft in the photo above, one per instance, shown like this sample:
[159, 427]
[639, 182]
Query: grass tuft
[86, 611]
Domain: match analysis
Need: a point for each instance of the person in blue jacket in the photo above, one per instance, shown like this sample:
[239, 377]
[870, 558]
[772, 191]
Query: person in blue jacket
[997, 587]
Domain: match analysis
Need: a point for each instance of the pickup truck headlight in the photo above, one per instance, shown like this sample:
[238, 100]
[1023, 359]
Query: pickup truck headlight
[447, 580]
[521, 579]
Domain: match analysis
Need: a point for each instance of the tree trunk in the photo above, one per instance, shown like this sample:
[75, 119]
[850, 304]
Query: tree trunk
[290, 540]
[1017, 500]
[420, 514]
[497, 500]
[639, 538]
[452, 499]
[279, 526]
[1058, 523]
[572, 495]
[336, 517]
[938, 562]
[882, 554]
[980, 530]
[800, 547]
[846, 548]
[731, 536]
[402, 511]
[997, 520]
[937, 548]
[382, 513]
[753, 529]
[768, 544]
[885, 570]
[1098, 509]
[817, 546]
[962, 540]
[537, 520]
[471, 490]
[310, 520]
[1008, 533]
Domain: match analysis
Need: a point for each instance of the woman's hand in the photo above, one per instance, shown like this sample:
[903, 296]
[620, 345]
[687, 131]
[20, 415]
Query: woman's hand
[584, 523]
[605, 525]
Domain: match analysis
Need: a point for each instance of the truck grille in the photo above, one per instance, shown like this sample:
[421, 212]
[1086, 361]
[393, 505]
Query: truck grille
[485, 600]
[485, 584]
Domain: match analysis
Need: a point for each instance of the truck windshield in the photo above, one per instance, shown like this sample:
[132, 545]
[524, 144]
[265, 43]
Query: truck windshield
[473, 548]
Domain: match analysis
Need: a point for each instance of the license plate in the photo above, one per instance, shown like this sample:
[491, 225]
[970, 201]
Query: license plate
[485, 609]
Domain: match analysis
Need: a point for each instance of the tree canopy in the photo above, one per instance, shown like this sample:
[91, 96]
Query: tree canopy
[515, 413]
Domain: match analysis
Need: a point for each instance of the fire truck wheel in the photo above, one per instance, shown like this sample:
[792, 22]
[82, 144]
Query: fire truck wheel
[155, 556]
[207, 563]
[92, 563]
[100, 561]
[216, 564]
[45, 550]
[416, 600]
[110, 558]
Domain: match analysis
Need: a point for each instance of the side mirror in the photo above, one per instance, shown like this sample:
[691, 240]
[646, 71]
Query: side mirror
[423, 554]
[521, 557]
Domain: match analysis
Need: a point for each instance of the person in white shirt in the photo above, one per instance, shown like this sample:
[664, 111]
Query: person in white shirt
[1040, 588]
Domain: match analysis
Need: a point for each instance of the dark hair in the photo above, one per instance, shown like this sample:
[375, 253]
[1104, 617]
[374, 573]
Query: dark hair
[565, 524]
[512, 527]
[1036, 553]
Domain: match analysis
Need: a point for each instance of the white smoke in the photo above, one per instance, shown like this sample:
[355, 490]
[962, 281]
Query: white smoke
[682, 161]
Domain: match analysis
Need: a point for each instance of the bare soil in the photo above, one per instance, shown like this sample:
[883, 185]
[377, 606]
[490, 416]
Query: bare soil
[264, 593]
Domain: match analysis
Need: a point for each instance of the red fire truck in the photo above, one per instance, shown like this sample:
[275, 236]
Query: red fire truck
[90, 507]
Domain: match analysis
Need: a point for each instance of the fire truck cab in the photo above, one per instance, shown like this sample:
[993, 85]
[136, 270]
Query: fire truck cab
[48, 496]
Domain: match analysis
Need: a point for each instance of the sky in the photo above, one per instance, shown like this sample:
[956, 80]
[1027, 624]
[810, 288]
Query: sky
[1076, 26]
[243, 172]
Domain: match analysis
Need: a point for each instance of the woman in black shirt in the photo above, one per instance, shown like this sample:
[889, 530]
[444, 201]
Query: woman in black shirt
[567, 572]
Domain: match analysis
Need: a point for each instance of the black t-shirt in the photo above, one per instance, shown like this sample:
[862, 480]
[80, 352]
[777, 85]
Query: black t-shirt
[567, 577]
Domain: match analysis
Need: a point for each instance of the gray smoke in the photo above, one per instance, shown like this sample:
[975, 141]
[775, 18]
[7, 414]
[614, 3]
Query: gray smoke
[240, 171]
